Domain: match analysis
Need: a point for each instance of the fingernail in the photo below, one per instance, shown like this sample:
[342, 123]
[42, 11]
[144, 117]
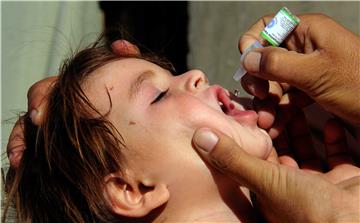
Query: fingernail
[205, 139]
[117, 42]
[252, 61]
[120, 46]
[33, 114]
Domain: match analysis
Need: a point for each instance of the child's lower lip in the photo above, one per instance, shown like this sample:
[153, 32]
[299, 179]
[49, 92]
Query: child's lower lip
[240, 114]
[236, 112]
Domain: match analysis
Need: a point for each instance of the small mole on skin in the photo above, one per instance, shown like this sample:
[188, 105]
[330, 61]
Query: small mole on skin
[111, 88]
[132, 123]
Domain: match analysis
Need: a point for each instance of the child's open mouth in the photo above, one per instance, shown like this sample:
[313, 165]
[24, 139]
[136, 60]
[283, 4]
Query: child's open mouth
[229, 107]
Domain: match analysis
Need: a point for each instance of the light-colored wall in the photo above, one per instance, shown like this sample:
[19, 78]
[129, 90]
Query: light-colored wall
[36, 36]
[215, 28]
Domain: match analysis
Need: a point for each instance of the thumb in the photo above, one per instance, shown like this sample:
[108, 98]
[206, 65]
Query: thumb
[284, 194]
[37, 98]
[225, 154]
[125, 48]
[279, 64]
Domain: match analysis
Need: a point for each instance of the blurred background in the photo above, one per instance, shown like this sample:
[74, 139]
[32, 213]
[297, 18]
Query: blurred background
[37, 36]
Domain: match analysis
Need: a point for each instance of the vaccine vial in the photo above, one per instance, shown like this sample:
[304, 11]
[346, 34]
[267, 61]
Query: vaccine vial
[273, 34]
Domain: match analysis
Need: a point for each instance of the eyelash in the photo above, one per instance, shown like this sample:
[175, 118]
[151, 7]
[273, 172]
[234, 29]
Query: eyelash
[160, 96]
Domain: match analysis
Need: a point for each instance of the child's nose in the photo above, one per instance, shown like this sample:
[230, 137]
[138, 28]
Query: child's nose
[195, 80]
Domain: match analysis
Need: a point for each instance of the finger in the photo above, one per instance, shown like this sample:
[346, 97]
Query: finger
[285, 86]
[282, 145]
[354, 130]
[273, 156]
[290, 103]
[284, 114]
[16, 145]
[255, 86]
[224, 154]
[253, 34]
[279, 64]
[288, 161]
[298, 98]
[302, 144]
[124, 48]
[352, 184]
[262, 88]
[266, 110]
[336, 144]
[37, 99]
[342, 172]
[275, 91]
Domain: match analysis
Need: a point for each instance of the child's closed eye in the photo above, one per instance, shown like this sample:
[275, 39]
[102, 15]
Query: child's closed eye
[160, 96]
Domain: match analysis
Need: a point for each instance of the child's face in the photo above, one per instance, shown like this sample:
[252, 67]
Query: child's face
[157, 127]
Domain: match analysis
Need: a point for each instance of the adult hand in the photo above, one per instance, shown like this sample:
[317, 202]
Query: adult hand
[37, 101]
[285, 193]
[37, 98]
[276, 103]
[321, 59]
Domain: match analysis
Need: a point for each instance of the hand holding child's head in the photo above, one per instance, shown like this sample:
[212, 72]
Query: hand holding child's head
[37, 102]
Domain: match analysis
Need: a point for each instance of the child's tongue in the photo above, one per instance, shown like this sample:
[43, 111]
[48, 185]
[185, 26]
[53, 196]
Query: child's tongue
[230, 109]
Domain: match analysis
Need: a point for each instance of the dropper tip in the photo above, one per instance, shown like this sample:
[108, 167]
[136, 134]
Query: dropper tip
[239, 73]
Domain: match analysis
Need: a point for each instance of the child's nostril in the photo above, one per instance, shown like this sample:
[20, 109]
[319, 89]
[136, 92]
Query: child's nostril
[197, 82]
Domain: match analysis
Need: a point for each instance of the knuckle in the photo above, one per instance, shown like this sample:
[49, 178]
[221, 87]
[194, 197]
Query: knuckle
[271, 63]
[219, 164]
[32, 89]
[321, 16]
[356, 180]
[316, 20]
[37, 88]
[39, 91]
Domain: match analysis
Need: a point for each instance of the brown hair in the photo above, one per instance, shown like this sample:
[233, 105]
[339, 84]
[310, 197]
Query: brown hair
[60, 177]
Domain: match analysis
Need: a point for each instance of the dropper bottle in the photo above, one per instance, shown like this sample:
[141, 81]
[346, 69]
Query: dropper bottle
[273, 34]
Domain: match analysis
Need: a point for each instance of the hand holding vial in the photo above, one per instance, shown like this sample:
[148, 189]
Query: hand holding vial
[320, 60]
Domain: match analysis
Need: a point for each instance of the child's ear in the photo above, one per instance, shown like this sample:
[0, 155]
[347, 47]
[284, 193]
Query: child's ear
[133, 198]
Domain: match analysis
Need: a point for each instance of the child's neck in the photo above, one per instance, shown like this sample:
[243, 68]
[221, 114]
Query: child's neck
[225, 202]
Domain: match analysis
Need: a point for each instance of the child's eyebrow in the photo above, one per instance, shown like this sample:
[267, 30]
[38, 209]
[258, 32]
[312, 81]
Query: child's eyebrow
[136, 84]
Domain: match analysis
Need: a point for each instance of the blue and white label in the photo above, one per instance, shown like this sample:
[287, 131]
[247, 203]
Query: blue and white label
[280, 27]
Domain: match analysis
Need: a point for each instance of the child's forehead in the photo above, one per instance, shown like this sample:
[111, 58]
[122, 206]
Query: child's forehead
[124, 69]
[137, 66]
[131, 64]
[120, 72]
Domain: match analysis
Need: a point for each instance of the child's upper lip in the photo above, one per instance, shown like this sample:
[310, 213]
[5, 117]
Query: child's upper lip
[221, 96]
[228, 107]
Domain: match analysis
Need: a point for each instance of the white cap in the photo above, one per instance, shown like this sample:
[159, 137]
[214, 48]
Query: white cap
[239, 73]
